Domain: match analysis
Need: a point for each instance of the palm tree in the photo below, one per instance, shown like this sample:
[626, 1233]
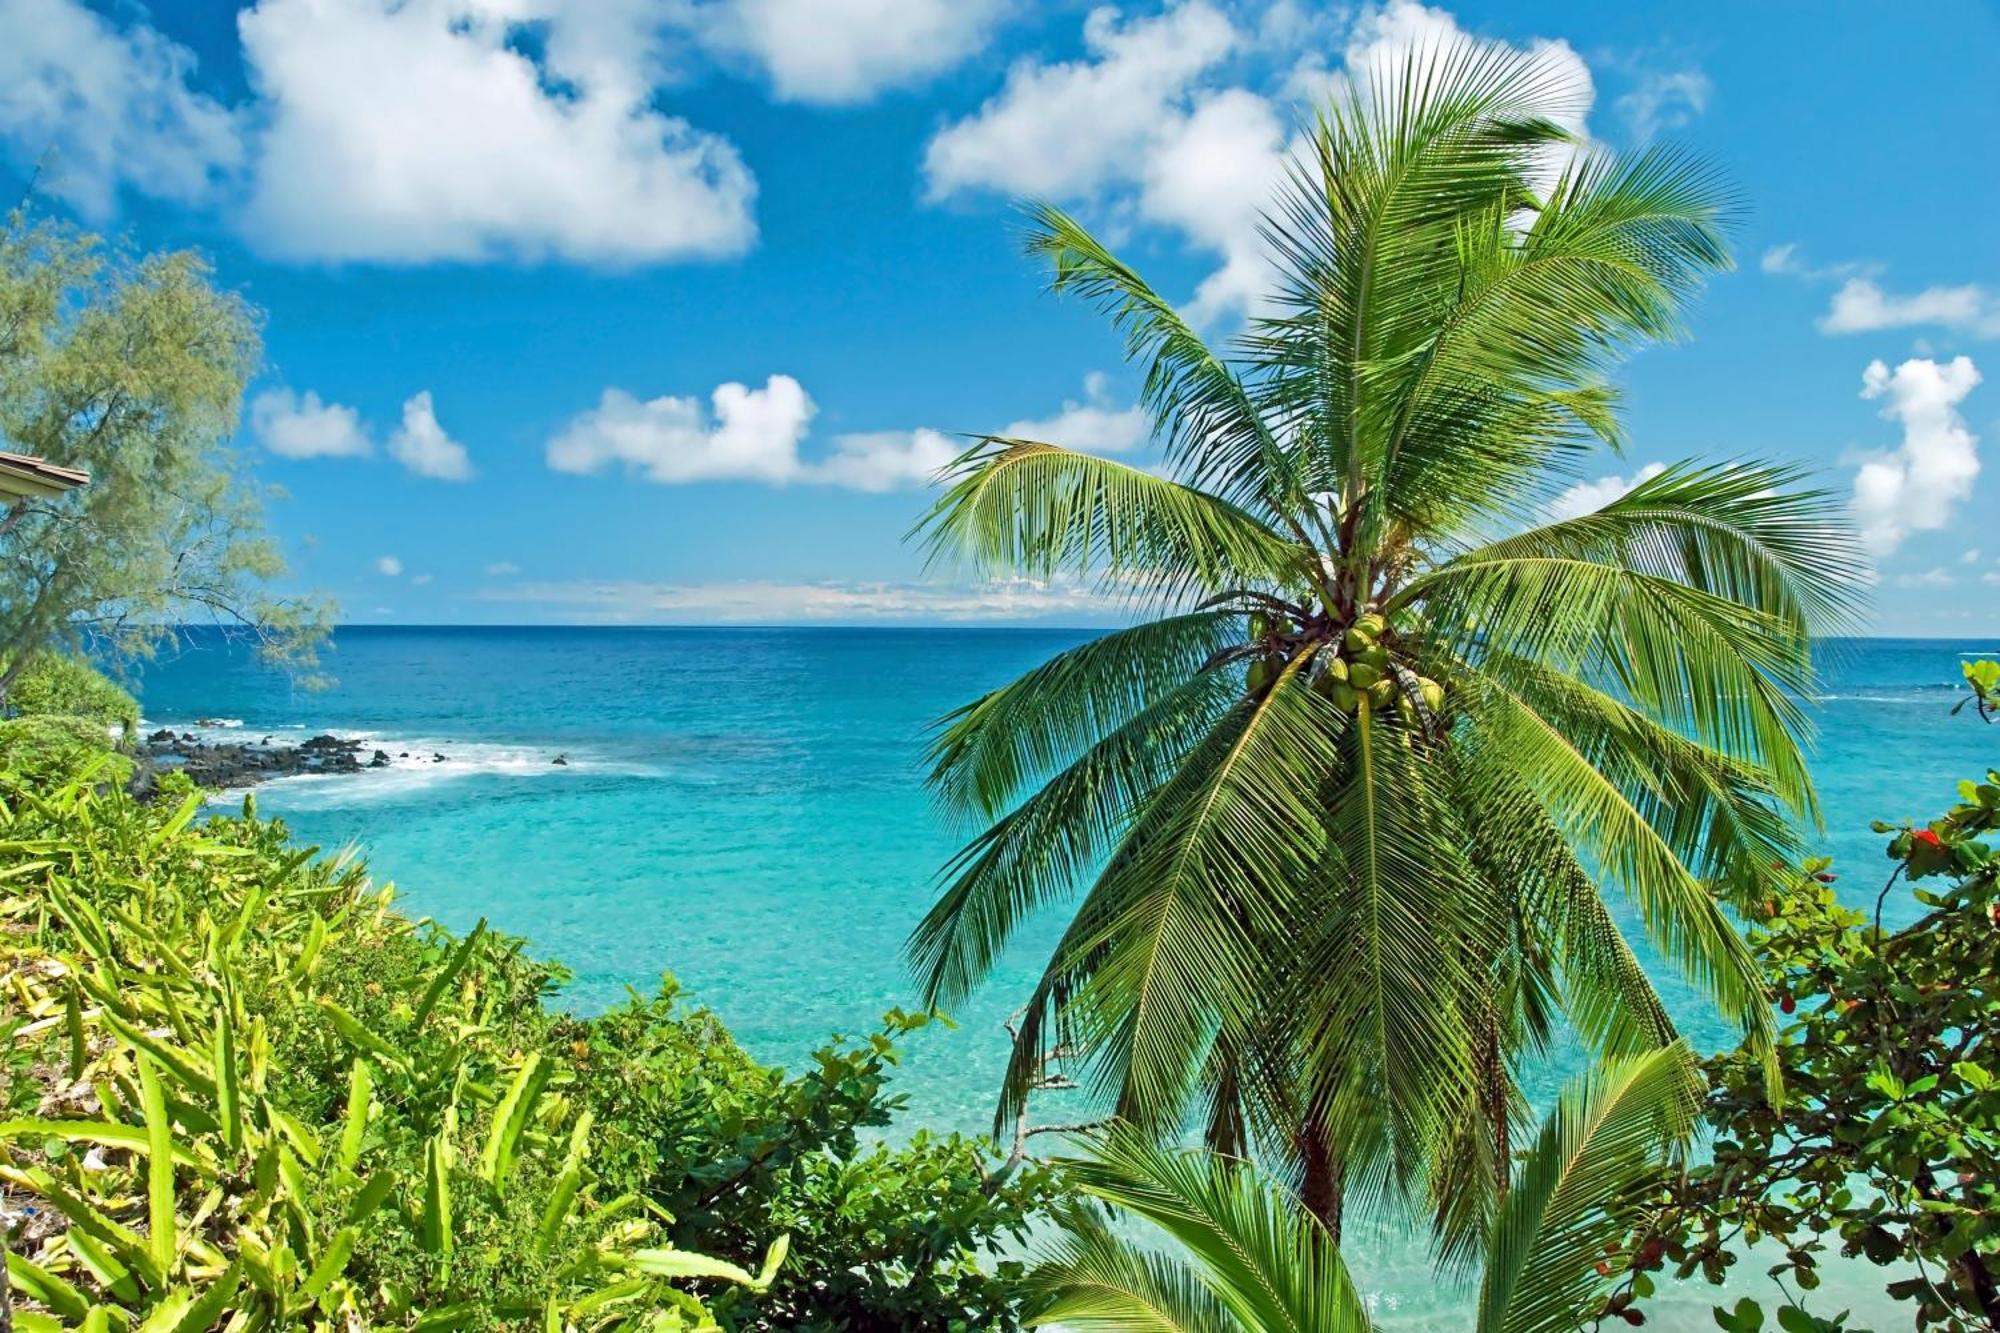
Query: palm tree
[1347, 796]
[1250, 1260]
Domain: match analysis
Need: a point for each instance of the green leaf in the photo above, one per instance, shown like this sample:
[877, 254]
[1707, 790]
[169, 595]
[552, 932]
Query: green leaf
[447, 975]
[434, 1232]
[163, 1230]
[686, 1264]
[510, 1120]
[1746, 1317]
[45, 1287]
[354, 1123]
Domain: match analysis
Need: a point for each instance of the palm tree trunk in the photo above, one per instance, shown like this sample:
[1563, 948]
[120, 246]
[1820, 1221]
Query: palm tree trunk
[1322, 1187]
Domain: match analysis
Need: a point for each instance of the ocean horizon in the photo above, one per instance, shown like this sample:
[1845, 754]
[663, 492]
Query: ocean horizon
[744, 807]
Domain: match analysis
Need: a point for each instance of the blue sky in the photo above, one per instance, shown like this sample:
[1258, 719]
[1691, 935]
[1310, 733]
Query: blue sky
[660, 310]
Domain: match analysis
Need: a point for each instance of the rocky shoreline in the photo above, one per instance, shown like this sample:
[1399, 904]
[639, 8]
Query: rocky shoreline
[228, 765]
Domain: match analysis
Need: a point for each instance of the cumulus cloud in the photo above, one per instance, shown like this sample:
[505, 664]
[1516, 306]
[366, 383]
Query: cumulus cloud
[1073, 127]
[388, 566]
[108, 108]
[1145, 127]
[424, 131]
[1916, 487]
[501, 569]
[1093, 423]
[833, 51]
[744, 434]
[886, 460]
[397, 131]
[766, 602]
[1664, 100]
[293, 425]
[421, 445]
[1587, 497]
[1860, 306]
[1938, 577]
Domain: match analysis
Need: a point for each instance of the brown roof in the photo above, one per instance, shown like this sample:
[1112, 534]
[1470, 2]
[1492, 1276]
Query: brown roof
[22, 474]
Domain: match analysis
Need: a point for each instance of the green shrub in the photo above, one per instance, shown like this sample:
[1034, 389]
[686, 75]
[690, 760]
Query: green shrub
[241, 1084]
[263, 1098]
[54, 749]
[54, 685]
[915, 1237]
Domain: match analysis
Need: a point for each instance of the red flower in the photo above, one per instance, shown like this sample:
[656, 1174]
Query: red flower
[1927, 837]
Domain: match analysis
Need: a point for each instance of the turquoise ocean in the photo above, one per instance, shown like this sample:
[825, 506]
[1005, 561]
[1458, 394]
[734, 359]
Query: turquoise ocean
[745, 809]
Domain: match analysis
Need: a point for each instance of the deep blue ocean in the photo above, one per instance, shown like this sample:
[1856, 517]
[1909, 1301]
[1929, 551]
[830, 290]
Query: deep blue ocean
[745, 809]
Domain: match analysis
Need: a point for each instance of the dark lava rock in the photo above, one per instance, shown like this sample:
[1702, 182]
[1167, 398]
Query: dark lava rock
[561, 759]
[224, 765]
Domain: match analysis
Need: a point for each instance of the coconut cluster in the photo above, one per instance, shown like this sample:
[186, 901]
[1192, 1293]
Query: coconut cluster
[1360, 669]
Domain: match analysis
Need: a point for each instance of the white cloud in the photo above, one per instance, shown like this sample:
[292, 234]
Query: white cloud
[1073, 127]
[765, 602]
[292, 425]
[111, 107]
[419, 580]
[1860, 306]
[1213, 174]
[1970, 557]
[1094, 423]
[1664, 100]
[423, 131]
[1589, 496]
[388, 566]
[1930, 578]
[501, 569]
[1915, 487]
[397, 131]
[886, 460]
[831, 51]
[1145, 128]
[751, 435]
[746, 434]
[1990, 576]
[421, 445]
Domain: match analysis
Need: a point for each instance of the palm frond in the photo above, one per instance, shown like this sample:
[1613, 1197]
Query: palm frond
[988, 751]
[1274, 1268]
[1094, 1280]
[1209, 425]
[1601, 819]
[1039, 853]
[1164, 949]
[1590, 1174]
[1020, 507]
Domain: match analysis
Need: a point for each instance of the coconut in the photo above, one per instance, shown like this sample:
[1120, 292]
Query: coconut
[1361, 675]
[1432, 692]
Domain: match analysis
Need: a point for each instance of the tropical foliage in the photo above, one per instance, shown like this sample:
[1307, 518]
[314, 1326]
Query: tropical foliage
[241, 1090]
[58, 686]
[63, 716]
[1248, 1258]
[1886, 1144]
[1345, 804]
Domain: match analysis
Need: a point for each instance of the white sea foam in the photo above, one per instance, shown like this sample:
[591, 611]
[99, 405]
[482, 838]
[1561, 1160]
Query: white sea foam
[412, 763]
